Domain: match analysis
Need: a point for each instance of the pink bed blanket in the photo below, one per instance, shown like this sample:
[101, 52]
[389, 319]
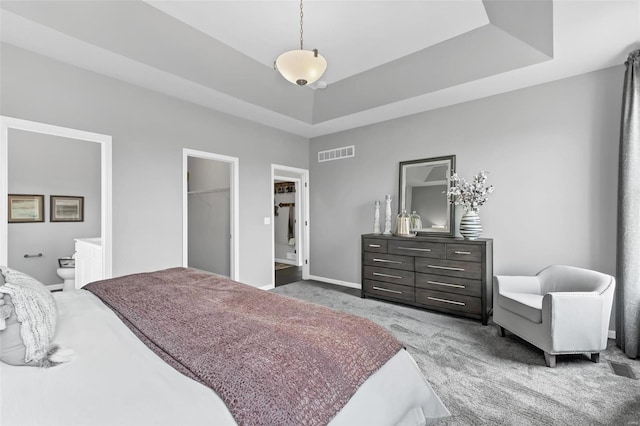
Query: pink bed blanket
[273, 360]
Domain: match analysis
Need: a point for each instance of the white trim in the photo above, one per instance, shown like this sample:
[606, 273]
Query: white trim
[336, 282]
[303, 230]
[298, 214]
[287, 261]
[267, 287]
[611, 334]
[106, 225]
[234, 164]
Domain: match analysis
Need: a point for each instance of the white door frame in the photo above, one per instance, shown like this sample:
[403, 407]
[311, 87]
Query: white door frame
[303, 176]
[234, 164]
[7, 123]
[298, 215]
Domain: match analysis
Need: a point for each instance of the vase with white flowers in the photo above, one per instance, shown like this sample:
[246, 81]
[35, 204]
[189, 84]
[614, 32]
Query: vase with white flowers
[471, 196]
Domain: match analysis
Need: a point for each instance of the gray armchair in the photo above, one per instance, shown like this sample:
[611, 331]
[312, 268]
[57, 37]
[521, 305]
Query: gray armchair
[562, 310]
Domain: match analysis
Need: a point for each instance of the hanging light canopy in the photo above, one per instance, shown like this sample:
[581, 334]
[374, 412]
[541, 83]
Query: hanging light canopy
[301, 66]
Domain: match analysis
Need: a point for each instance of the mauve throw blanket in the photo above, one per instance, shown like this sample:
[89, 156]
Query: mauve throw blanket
[273, 360]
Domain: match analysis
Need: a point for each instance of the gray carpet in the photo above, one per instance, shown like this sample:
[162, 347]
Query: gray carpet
[485, 379]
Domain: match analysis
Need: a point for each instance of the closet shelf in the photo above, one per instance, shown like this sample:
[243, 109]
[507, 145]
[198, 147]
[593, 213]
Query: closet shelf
[207, 191]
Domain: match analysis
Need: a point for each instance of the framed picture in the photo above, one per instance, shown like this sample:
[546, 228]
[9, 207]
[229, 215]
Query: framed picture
[26, 208]
[66, 209]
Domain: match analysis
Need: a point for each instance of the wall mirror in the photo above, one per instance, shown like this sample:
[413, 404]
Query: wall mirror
[423, 190]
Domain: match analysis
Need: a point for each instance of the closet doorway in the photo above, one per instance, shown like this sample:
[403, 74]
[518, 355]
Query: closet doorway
[290, 224]
[210, 212]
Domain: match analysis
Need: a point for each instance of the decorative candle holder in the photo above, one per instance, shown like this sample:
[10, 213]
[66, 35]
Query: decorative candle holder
[376, 218]
[387, 214]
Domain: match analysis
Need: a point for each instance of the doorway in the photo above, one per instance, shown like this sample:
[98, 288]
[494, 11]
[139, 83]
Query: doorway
[17, 130]
[210, 200]
[290, 224]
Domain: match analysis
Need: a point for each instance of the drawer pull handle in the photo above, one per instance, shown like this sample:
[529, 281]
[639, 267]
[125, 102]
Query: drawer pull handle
[437, 299]
[378, 274]
[374, 245]
[413, 248]
[447, 284]
[387, 290]
[461, 252]
[387, 261]
[448, 268]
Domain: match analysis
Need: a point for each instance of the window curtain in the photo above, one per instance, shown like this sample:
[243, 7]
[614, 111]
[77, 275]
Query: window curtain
[628, 244]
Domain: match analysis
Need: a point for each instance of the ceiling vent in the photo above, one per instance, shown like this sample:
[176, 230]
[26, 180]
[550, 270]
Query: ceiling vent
[337, 153]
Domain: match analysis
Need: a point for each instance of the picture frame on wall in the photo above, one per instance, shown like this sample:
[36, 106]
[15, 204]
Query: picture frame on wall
[24, 208]
[66, 208]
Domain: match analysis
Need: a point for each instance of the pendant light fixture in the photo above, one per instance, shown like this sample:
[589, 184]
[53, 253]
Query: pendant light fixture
[301, 66]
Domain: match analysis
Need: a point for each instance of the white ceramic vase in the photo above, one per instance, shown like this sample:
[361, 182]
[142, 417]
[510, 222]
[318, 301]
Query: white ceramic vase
[470, 225]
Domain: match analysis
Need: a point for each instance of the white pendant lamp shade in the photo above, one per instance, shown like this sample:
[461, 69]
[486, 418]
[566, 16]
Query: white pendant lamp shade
[301, 67]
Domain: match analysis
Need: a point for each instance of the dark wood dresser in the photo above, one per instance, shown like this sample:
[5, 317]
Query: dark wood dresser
[451, 275]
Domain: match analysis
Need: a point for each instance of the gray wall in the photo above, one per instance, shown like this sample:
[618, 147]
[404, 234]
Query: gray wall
[50, 165]
[209, 208]
[149, 131]
[551, 151]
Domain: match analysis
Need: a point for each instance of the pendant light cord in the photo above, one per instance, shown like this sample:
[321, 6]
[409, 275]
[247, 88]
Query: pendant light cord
[301, 31]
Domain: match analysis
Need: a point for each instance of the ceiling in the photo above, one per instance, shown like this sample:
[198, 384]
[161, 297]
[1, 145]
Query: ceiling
[387, 59]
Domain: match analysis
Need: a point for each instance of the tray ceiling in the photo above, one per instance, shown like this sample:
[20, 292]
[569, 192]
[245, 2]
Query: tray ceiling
[386, 59]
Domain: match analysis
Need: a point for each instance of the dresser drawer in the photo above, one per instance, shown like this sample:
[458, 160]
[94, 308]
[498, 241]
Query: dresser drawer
[389, 291]
[449, 301]
[389, 261]
[374, 245]
[466, 252]
[416, 248]
[451, 268]
[395, 276]
[449, 284]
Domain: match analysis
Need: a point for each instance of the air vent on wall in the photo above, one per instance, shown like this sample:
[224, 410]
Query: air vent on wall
[337, 153]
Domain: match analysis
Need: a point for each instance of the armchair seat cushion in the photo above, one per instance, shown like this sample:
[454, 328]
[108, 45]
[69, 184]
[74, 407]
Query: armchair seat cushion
[527, 305]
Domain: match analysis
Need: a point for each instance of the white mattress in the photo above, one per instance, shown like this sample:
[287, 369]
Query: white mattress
[117, 380]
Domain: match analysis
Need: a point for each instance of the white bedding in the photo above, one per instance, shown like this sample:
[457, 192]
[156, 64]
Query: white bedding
[117, 380]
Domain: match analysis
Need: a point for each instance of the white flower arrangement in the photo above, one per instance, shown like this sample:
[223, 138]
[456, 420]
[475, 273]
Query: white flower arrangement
[469, 195]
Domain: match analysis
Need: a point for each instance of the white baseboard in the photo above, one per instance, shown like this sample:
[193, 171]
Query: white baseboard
[287, 261]
[336, 282]
[52, 287]
[267, 287]
[612, 334]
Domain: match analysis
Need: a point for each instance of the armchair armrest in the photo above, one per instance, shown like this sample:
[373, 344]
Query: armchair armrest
[578, 321]
[516, 284]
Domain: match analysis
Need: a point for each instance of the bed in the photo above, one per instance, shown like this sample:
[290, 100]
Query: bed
[116, 379]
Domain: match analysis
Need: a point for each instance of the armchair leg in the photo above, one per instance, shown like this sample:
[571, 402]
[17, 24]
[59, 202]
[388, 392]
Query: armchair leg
[550, 360]
[595, 357]
[501, 330]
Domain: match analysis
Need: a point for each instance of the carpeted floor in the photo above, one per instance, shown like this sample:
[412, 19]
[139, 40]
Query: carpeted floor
[485, 379]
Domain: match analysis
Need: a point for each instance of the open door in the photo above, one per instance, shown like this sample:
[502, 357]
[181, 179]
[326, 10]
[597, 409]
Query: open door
[290, 224]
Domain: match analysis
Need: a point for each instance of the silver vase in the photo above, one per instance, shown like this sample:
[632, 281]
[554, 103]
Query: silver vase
[470, 225]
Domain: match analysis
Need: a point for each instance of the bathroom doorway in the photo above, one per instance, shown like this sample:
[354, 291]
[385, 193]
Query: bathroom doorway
[57, 166]
[210, 213]
[290, 224]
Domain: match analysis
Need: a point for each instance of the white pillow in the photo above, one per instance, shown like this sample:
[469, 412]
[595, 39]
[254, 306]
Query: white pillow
[29, 330]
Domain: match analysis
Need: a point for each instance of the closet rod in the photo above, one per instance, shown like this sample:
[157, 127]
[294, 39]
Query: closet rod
[207, 191]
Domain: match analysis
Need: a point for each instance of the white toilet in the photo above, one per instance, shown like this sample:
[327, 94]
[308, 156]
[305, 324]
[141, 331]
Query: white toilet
[67, 272]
